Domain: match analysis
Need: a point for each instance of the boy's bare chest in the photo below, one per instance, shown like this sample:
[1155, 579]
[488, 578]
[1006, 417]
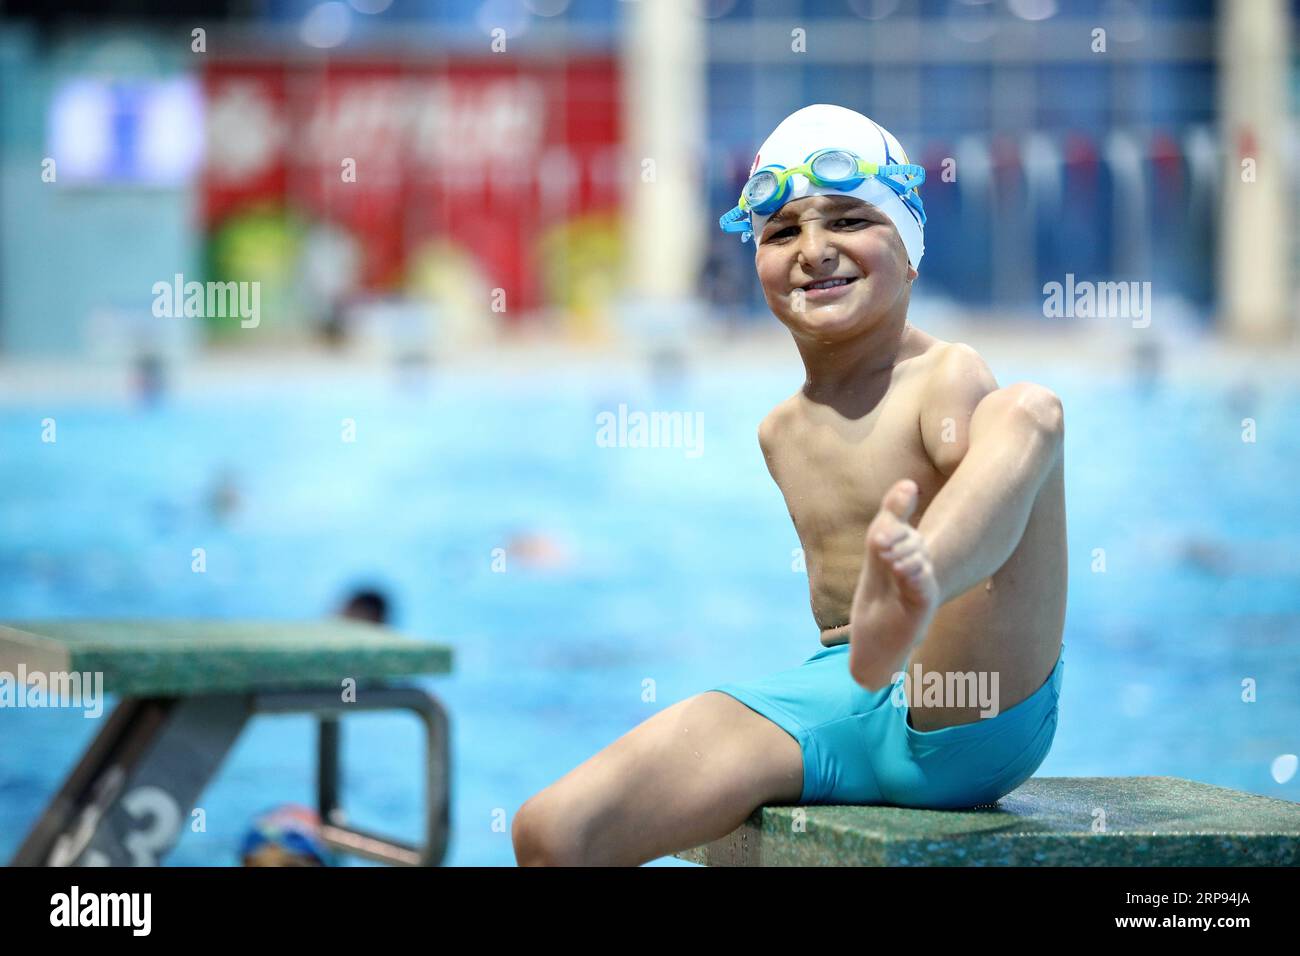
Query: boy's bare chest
[834, 474]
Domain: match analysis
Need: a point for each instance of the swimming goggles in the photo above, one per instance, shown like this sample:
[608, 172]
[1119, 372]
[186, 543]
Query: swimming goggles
[841, 169]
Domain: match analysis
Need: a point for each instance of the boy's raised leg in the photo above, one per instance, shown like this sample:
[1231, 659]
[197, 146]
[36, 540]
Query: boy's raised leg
[688, 775]
[967, 533]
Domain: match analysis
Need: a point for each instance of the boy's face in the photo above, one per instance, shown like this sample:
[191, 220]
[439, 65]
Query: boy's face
[825, 237]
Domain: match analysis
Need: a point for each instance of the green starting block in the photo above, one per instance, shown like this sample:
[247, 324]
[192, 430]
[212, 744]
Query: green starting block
[1048, 821]
[185, 690]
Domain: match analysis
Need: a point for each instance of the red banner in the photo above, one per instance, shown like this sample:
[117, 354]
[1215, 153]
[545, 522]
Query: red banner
[490, 155]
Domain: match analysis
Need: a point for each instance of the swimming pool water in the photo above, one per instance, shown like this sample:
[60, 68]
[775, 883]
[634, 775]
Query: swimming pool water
[670, 568]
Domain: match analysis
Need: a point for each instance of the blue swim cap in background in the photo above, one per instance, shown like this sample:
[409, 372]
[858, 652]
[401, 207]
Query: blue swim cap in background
[294, 828]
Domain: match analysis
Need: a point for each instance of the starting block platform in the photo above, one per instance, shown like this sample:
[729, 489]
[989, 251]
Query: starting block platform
[186, 690]
[1047, 821]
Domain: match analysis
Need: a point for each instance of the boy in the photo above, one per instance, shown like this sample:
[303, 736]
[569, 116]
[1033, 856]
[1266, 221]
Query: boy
[930, 506]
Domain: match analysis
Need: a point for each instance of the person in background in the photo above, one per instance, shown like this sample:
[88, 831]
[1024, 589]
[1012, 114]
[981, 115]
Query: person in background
[366, 605]
[288, 835]
[223, 498]
[538, 551]
[149, 383]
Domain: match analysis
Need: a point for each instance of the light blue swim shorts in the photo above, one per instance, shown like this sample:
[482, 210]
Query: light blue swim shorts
[859, 746]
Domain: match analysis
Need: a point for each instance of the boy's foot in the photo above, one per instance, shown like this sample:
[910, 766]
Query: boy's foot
[897, 592]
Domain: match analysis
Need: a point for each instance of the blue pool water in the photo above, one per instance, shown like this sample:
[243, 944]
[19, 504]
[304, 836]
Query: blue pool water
[679, 572]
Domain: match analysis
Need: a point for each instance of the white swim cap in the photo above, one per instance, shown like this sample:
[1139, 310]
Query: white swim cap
[824, 126]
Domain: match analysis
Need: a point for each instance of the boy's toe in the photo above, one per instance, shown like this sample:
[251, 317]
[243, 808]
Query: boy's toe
[891, 532]
[900, 500]
[906, 545]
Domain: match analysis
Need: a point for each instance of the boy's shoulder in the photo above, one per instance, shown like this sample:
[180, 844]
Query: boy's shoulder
[772, 422]
[954, 370]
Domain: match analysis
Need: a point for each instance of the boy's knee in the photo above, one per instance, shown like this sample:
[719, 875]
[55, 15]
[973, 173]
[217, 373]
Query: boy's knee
[1037, 405]
[540, 838]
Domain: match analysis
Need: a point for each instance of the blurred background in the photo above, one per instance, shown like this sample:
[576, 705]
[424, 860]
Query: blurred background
[451, 234]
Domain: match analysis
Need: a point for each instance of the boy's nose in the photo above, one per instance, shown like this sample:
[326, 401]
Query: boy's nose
[815, 247]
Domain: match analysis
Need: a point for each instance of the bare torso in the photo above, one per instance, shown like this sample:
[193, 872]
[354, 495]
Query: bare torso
[835, 461]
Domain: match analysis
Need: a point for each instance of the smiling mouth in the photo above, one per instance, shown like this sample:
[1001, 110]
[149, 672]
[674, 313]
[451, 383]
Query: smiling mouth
[829, 283]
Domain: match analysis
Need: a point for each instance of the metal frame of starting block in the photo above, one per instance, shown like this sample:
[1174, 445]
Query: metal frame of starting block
[130, 796]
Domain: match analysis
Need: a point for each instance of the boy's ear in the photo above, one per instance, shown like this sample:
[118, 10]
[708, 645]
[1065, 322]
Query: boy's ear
[911, 272]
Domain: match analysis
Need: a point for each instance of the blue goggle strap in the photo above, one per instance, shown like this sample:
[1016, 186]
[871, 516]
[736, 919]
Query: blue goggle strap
[736, 219]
